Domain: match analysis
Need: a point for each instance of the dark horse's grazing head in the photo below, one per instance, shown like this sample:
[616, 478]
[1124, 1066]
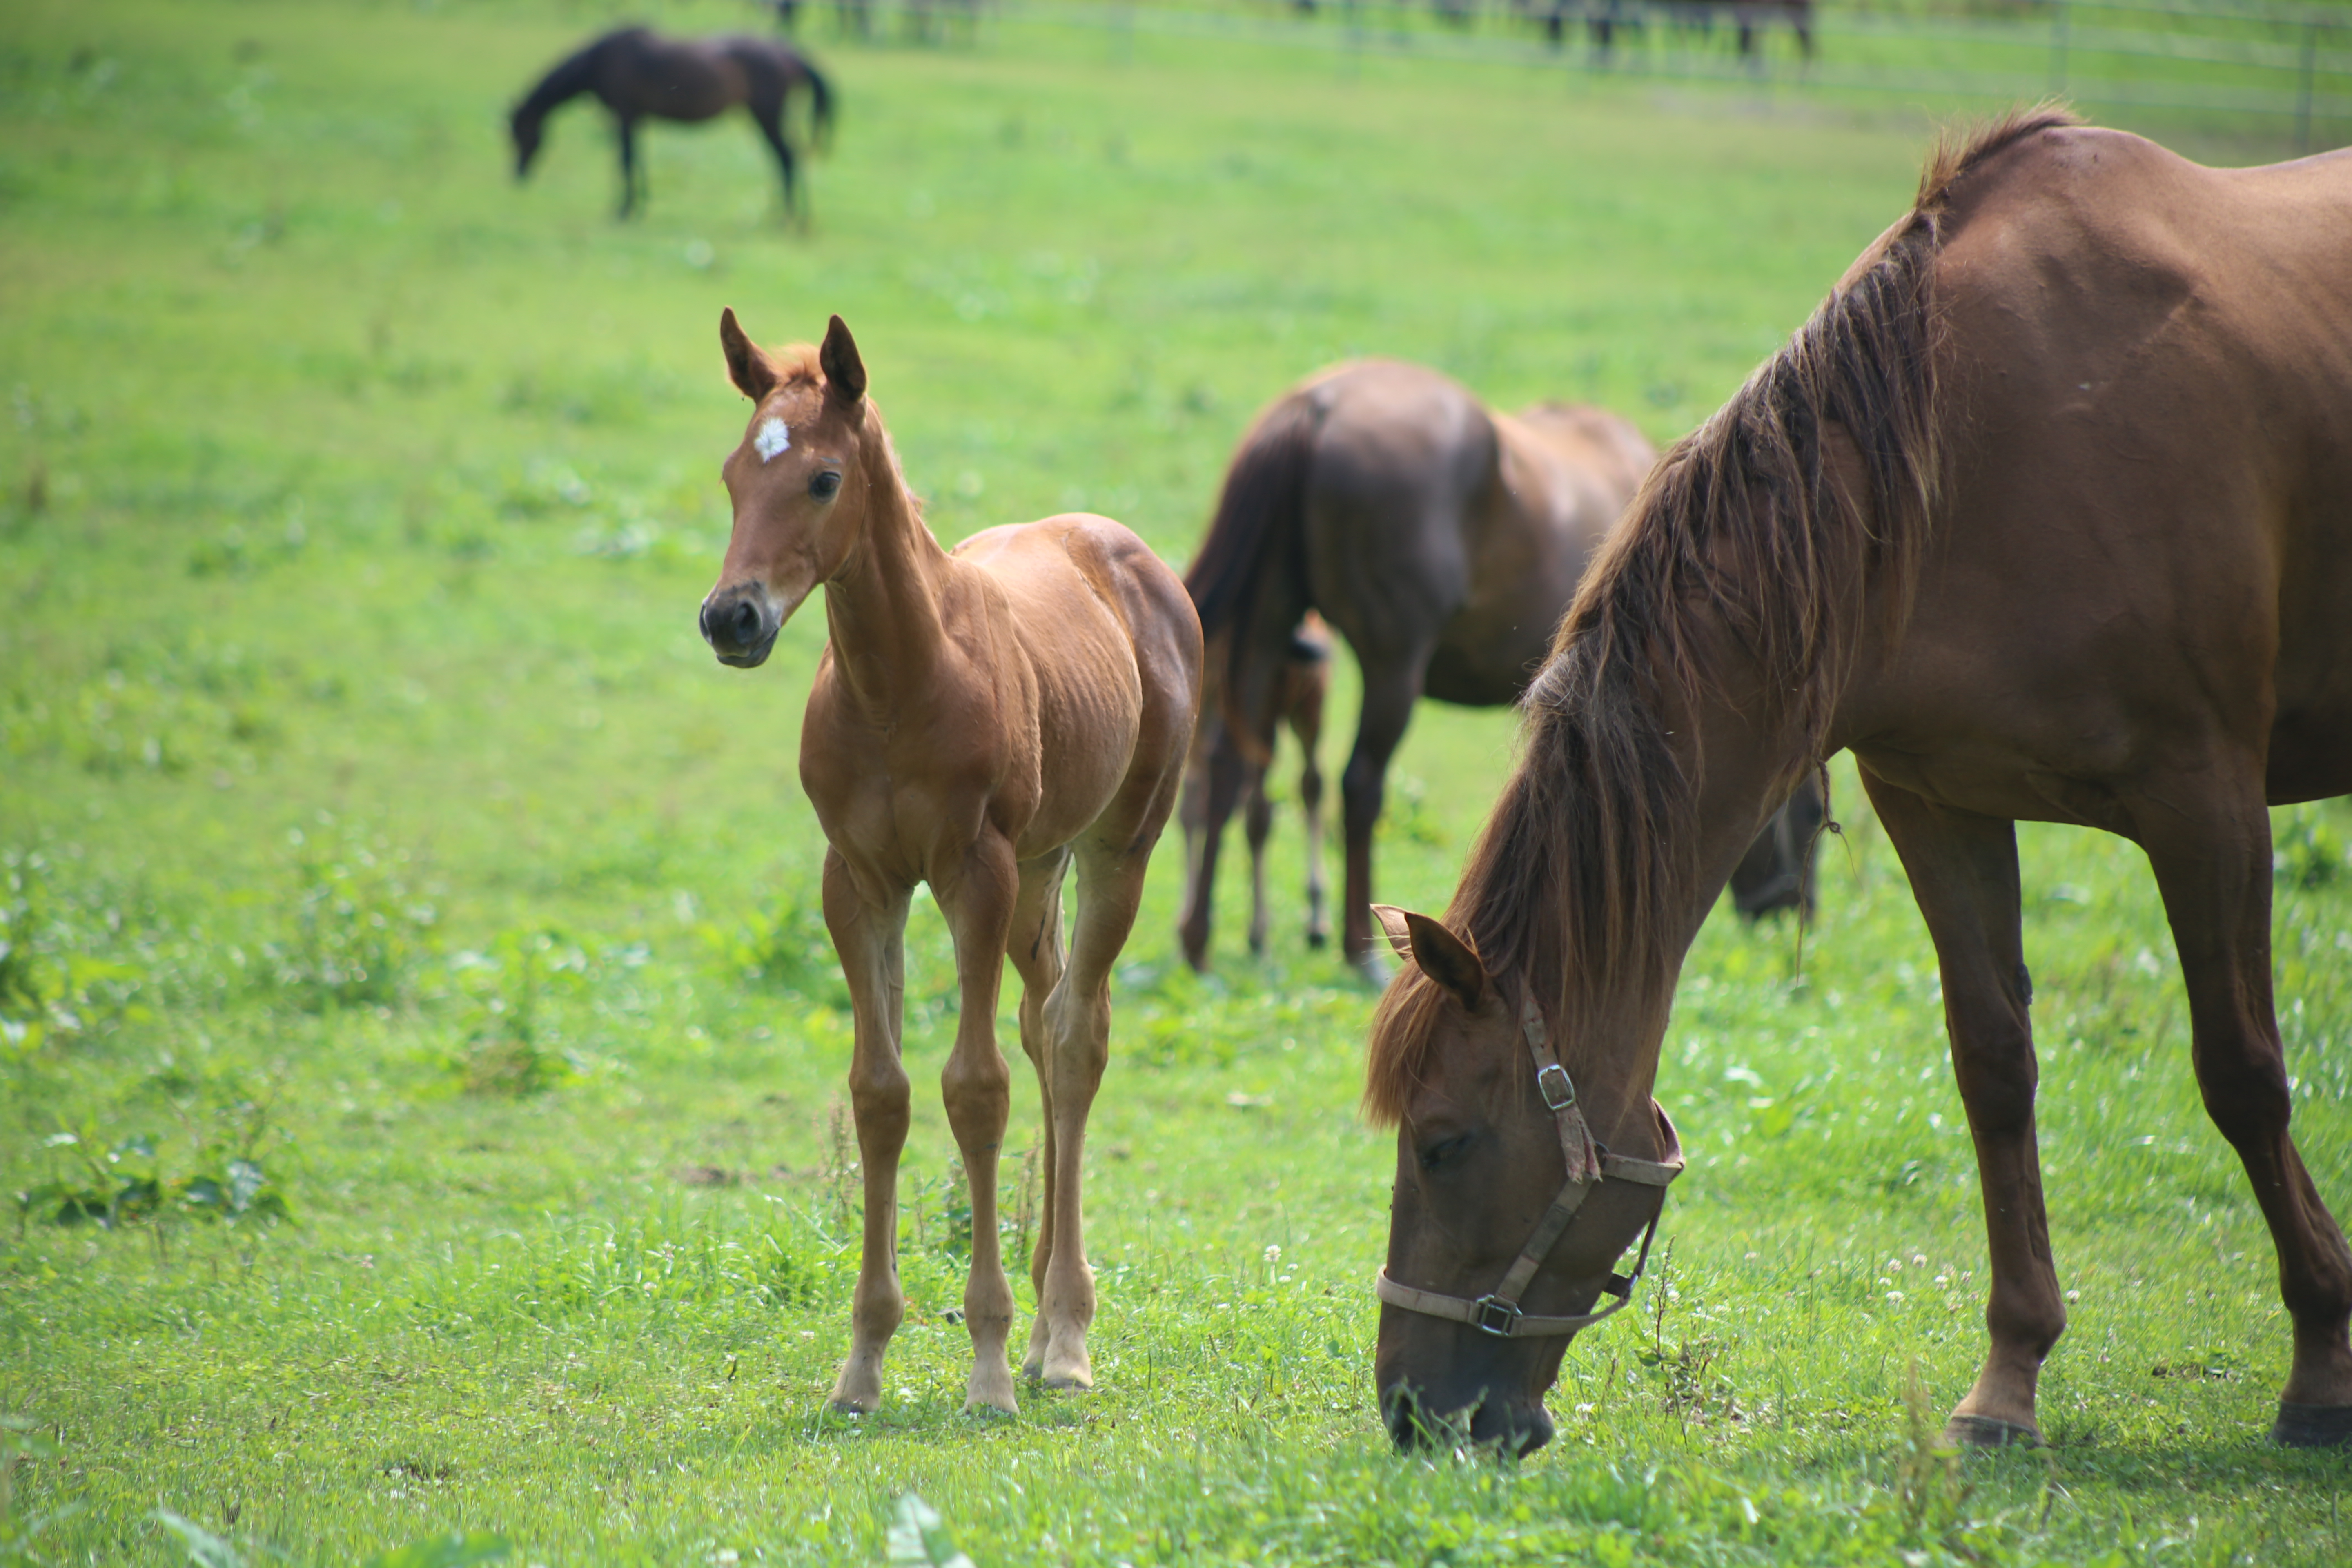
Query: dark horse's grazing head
[798, 481]
[529, 128]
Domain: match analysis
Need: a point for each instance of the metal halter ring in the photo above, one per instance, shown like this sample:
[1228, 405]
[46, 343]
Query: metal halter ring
[1497, 1316]
[1558, 1090]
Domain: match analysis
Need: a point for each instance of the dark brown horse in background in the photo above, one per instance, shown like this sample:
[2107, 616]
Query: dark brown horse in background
[2047, 516]
[1440, 539]
[637, 74]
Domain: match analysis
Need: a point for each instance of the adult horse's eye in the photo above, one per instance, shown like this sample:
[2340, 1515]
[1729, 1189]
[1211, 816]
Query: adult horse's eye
[1438, 1155]
[824, 484]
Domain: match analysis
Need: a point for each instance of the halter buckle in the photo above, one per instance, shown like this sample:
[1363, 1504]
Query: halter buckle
[1558, 1090]
[1495, 1316]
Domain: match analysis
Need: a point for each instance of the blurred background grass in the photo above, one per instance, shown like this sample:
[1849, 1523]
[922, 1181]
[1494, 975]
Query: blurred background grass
[373, 818]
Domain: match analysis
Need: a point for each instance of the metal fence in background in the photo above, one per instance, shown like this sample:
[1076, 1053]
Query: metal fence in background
[2284, 69]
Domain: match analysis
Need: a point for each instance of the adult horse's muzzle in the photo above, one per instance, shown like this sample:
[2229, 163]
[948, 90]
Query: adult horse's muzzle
[1417, 1419]
[740, 622]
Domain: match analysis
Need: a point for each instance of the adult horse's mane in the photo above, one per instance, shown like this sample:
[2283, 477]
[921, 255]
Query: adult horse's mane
[567, 78]
[1582, 875]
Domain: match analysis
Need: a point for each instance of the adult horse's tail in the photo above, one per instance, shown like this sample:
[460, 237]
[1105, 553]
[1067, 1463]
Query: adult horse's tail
[1249, 580]
[820, 106]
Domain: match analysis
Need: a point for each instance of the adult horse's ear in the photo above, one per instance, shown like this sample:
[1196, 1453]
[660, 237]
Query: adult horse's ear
[844, 373]
[748, 366]
[1443, 956]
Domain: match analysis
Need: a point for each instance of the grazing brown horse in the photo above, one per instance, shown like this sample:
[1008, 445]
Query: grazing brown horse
[1442, 541]
[2046, 515]
[637, 73]
[979, 720]
[1230, 766]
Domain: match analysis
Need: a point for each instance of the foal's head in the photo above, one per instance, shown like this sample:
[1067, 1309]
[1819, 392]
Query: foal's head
[798, 482]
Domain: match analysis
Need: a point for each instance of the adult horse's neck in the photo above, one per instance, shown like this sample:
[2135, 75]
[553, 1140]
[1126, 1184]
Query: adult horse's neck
[572, 76]
[882, 607]
[1613, 841]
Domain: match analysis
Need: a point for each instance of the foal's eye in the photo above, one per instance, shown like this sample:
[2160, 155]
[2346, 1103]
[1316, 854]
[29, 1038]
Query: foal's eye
[1437, 1155]
[824, 484]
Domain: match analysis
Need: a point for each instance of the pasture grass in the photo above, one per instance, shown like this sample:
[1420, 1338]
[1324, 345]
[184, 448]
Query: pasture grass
[422, 1056]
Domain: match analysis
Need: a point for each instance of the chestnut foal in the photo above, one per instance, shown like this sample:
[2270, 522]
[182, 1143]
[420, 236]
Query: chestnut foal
[979, 720]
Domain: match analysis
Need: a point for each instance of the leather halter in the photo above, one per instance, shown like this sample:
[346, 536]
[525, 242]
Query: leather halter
[1588, 1165]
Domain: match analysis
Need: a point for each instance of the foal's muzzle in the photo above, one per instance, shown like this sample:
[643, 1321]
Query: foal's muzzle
[740, 623]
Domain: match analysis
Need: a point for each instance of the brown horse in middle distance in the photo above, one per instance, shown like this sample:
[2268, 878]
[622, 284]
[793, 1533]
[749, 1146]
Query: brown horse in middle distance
[1442, 540]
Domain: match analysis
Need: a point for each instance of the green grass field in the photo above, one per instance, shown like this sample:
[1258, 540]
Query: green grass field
[422, 1059]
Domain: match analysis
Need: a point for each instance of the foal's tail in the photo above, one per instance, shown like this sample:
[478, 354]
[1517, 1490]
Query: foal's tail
[1249, 580]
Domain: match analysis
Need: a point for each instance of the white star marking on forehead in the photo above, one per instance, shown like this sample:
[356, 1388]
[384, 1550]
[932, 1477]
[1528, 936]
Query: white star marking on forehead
[772, 438]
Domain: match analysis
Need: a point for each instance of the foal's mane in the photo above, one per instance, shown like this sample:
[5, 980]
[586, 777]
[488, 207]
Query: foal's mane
[1583, 874]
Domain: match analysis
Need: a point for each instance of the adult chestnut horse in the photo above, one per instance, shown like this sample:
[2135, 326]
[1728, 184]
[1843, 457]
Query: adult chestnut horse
[637, 73]
[2047, 516]
[1442, 540]
[979, 720]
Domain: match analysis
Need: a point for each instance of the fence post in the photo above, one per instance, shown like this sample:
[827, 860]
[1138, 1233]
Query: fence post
[2303, 98]
[2058, 24]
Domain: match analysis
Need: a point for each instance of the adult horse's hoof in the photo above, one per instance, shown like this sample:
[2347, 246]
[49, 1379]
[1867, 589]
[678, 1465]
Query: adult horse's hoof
[2312, 1426]
[1989, 1432]
[1376, 970]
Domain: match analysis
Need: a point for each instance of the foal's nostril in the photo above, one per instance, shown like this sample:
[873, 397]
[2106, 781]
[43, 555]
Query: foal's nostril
[742, 623]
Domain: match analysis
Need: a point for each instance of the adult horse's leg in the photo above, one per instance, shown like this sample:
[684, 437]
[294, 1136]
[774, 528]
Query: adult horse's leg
[770, 118]
[1078, 1042]
[871, 942]
[1214, 799]
[625, 130]
[1963, 870]
[1391, 689]
[2208, 837]
[979, 904]
[1035, 946]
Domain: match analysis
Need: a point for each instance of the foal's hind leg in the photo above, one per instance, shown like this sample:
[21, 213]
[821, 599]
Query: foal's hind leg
[871, 941]
[1310, 730]
[1035, 946]
[979, 904]
[1077, 1044]
[2208, 837]
[1963, 870]
[1258, 823]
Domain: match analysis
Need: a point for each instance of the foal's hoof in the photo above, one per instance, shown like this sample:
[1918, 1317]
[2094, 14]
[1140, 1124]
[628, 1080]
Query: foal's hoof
[1989, 1432]
[2312, 1426]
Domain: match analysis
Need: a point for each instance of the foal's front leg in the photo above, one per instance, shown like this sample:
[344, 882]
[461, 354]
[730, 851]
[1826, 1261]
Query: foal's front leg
[871, 942]
[978, 1089]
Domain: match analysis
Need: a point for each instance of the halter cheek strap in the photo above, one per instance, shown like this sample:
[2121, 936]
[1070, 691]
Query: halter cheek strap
[1588, 1164]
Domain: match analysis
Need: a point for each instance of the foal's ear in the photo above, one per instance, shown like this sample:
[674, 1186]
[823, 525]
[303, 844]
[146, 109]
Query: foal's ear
[1443, 956]
[748, 366]
[844, 373]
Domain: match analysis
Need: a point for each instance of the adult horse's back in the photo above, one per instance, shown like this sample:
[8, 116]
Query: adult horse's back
[2047, 515]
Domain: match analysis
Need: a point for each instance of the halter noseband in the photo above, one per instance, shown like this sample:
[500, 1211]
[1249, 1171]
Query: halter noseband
[1589, 1165]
